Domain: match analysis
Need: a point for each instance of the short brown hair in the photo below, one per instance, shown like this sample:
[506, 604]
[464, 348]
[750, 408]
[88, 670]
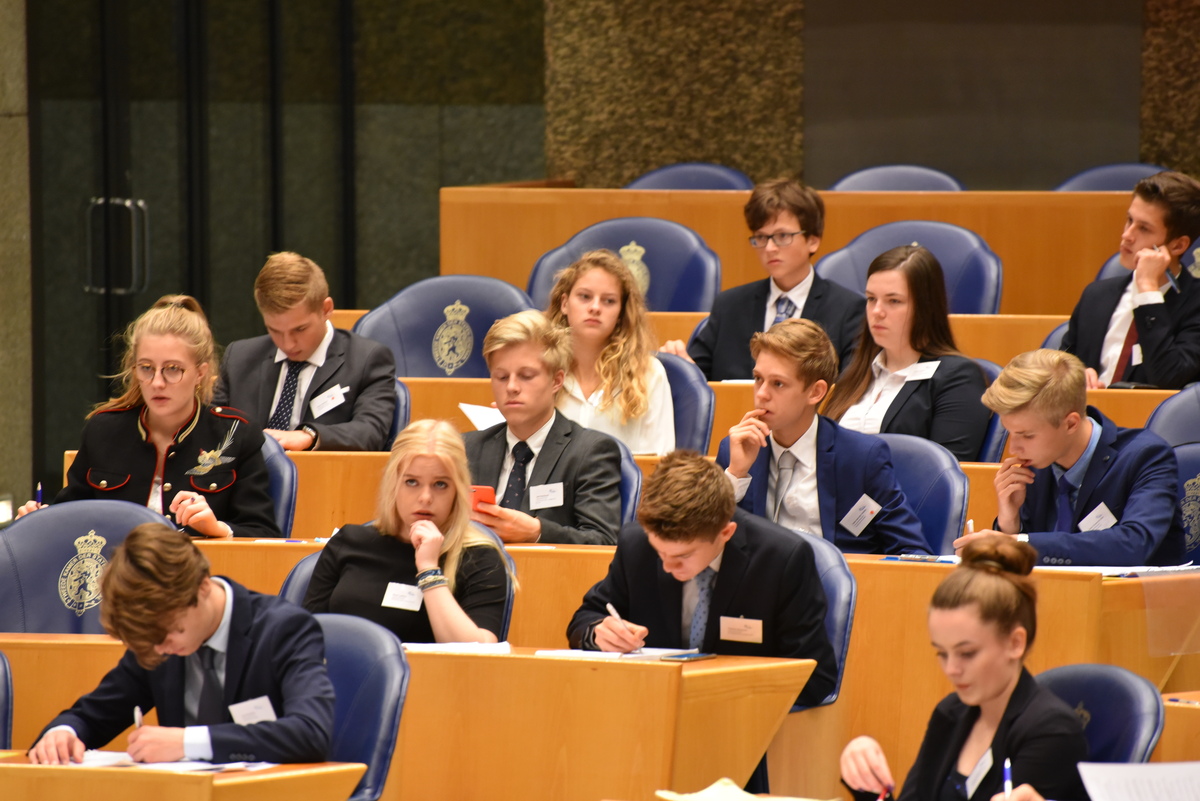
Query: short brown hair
[1179, 197]
[994, 575]
[152, 577]
[688, 497]
[805, 344]
[770, 198]
[1050, 382]
[288, 280]
[530, 326]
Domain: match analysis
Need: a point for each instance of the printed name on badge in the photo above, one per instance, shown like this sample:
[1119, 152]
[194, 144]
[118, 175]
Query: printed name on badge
[741, 629]
[546, 496]
[861, 515]
[329, 399]
[402, 596]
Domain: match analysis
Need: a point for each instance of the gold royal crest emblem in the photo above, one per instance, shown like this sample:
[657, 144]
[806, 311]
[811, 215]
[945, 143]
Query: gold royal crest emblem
[1191, 512]
[79, 581]
[453, 340]
[632, 254]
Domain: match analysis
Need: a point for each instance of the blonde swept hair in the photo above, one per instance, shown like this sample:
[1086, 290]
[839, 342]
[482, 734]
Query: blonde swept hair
[530, 326]
[288, 280]
[1050, 382]
[625, 361]
[172, 315]
[803, 343]
[686, 498]
[441, 440]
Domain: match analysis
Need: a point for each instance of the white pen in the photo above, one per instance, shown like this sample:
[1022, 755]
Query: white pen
[612, 610]
[137, 717]
[971, 526]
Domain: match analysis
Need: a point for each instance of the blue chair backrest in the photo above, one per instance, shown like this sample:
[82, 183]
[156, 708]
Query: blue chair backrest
[973, 273]
[1112, 268]
[1109, 178]
[283, 480]
[897, 178]
[1187, 457]
[68, 541]
[6, 703]
[370, 678]
[935, 487]
[1177, 418]
[684, 273]
[631, 484]
[1122, 713]
[694, 403]
[841, 596]
[512, 567]
[403, 411]
[435, 327]
[1054, 339]
[692, 175]
[996, 436]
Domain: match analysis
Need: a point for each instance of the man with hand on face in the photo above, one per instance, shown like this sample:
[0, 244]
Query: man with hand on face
[1077, 487]
[1145, 327]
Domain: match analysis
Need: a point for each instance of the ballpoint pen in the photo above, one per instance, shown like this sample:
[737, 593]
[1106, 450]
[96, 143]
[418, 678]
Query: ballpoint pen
[1007, 777]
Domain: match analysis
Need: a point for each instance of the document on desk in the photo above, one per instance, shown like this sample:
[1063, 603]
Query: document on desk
[720, 790]
[458, 647]
[1151, 781]
[121, 759]
[645, 654]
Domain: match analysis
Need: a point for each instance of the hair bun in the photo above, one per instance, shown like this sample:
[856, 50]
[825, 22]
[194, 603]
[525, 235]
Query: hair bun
[999, 553]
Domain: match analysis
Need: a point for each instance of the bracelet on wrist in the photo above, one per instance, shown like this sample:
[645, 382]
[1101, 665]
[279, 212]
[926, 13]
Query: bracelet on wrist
[431, 583]
[433, 571]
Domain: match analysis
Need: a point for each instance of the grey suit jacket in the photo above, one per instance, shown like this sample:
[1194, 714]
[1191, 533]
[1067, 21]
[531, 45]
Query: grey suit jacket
[249, 375]
[587, 463]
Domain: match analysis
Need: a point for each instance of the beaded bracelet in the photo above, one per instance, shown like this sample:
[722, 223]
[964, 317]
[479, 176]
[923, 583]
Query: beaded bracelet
[433, 571]
[432, 582]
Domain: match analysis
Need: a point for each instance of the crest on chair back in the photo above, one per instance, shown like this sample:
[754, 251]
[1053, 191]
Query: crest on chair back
[453, 340]
[1191, 512]
[1084, 716]
[632, 254]
[79, 581]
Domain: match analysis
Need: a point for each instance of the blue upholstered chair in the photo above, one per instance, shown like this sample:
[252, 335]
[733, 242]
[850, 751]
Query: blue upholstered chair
[973, 273]
[6, 703]
[897, 178]
[1112, 268]
[403, 411]
[694, 403]
[370, 678]
[935, 486]
[1109, 178]
[71, 541]
[1177, 418]
[1187, 457]
[1122, 713]
[435, 327]
[684, 274]
[841, 596]
[996, 436]
[283, 481]
[631, 484]
[692, 175]
[1054, 339]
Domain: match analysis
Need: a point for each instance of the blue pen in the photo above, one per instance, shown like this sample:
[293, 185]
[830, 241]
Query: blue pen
[1007, 777]
[38, 497]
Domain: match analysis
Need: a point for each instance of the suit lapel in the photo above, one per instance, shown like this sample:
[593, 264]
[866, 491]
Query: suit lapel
[827, 477]
[557, 440]
[816, 292]
[492, 449]
[906, 392]
[268, 373]
[169, 698]
[238, 647]
[760, 475]
[670, 600]
[335, 357]
[1102, 460]
[729, 578]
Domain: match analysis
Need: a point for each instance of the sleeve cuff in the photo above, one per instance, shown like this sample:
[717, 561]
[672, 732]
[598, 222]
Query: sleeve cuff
[740, 485]
[197, 743]
[1147, 298]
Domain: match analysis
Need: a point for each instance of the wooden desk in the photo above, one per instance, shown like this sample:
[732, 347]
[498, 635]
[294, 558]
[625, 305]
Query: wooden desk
[1051, 243]
[553, 582]
[259, 566]
[1180, 740]
[334, 781]
[1000, 337]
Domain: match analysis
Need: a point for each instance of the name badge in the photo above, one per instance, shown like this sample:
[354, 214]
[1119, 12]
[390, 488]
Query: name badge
[979, 771]
[329, 399]
[741, 629]
[546, 496]
[402, 596]
[921, 371]
[1135, 356]
[860, 515]
[1097, 519]
[256, 710]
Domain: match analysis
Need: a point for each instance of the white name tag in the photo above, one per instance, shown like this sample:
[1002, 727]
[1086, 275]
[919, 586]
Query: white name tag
[546, 496]
[402, 596]
[979, 771]
[256, 710]
[329, 399]
[741, 629]
[861, 515]
[921, 371]
[1135, 355]
[1097, 519]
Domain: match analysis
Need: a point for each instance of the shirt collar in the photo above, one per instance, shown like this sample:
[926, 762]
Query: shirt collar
[1078, 470]
[536, 440]
[804, 449]
[318, 356]
[183, 431]
[797, 292]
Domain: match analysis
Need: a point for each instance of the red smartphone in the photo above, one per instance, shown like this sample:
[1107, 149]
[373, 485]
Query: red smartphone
[481, 494]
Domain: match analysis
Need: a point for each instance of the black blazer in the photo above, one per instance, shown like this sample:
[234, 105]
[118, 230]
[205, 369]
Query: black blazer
[767, 573]
[1169, 333]
[249, 375]
[722, 349]
[1039, 733]
[587, 463]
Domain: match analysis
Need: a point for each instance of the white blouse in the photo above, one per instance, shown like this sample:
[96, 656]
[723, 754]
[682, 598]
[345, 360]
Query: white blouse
[653, 432]
[866, 415]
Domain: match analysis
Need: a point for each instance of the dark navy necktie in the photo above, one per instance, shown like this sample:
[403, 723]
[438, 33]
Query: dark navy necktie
[514, 491]
[281, 420]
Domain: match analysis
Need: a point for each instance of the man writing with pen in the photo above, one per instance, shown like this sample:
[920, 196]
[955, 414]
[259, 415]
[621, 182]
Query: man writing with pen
[234, 675]
[695, 572]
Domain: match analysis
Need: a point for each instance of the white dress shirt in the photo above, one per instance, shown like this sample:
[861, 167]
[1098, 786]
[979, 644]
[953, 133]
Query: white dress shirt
[798, 295]
[653, 432]
[866, 415]
[1118, 328]
[306, 376]
[535, 442]
[801, 507]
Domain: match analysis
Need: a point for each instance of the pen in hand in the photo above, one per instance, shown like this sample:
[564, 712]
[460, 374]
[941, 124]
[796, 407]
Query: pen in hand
[612, 611]
[38, 496]
[137, 717]
[1007, 777]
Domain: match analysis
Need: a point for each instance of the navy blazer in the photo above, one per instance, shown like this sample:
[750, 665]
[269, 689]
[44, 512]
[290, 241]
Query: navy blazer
[276, 650]
[1169, 332]
[722, 348]
[586, 462]
[1040, 734]
[1134, 473]
[848, 465]
[367, 369]
[767, 573]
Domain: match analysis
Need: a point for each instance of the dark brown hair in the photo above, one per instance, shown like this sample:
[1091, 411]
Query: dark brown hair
[687, 498]
[786, 194]
[1179, 197]
[994, 576]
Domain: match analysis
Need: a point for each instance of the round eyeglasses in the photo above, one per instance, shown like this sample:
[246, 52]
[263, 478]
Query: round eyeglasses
[171, 373]
[781, 239]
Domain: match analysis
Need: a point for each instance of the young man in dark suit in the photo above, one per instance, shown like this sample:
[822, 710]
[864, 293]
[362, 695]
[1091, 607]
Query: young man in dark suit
[1145, 327]
[786, 221]
[307, 384]
[1077, 487]
[555, 480]
[235, 675]
[836, 483]
[692, 550]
